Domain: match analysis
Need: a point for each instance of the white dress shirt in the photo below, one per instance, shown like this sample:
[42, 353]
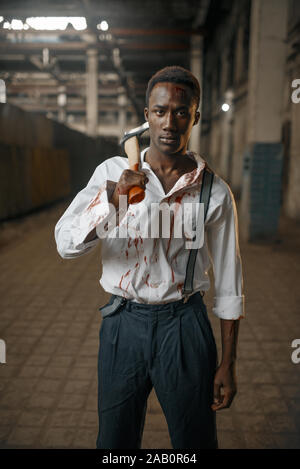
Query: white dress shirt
[152, 270]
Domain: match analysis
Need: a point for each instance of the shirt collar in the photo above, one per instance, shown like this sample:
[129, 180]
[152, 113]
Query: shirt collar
[199, 160]
[186, 180]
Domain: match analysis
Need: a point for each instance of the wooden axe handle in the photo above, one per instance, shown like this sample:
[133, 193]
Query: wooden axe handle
[132, 149]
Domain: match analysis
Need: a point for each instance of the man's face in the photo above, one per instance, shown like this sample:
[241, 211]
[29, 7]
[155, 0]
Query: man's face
[171, 114]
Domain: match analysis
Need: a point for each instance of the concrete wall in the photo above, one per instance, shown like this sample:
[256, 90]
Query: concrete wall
[212, 138]
[226, 42]
[238, 140]
[43, 161]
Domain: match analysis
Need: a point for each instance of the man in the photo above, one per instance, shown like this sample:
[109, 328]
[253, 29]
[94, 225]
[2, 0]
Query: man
[153, 337]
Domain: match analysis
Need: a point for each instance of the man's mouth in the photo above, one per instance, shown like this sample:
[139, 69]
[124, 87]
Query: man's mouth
[168, 139]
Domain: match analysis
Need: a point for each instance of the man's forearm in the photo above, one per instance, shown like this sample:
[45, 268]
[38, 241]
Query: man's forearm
[114, 199]
[229, 334]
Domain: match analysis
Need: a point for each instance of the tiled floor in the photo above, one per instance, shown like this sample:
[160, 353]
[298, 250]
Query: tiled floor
[50, 322]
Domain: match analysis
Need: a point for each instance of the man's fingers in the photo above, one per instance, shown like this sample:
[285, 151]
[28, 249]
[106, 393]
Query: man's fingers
[130, 178]
[217, 393]
[224, 402]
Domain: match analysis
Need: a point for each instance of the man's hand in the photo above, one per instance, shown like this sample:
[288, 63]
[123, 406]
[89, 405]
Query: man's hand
[128, 179]
[224, 378]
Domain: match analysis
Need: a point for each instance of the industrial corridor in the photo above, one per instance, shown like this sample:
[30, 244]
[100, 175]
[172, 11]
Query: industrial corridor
[50, 324]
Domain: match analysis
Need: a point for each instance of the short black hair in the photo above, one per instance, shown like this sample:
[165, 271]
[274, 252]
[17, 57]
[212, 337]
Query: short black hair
[175, 74]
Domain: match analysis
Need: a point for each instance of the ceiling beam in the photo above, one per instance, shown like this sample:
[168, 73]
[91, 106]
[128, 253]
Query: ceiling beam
[114, 31]
[80, 46]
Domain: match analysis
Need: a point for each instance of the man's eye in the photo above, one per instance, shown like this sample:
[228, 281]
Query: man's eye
[181, 113]
[159, 112]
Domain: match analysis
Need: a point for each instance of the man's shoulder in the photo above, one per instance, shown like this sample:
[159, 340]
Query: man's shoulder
[113, 164]
[221, 191]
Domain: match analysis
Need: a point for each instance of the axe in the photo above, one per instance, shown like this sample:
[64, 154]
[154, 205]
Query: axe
[130, 145]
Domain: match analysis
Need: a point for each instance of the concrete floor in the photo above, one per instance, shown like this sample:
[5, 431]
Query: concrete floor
[50, 322]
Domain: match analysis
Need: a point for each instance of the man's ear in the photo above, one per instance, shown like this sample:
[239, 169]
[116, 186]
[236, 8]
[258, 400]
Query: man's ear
[197, 117]
[146, 113]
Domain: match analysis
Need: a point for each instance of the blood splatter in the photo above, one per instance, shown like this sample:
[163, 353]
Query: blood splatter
[136, 242]
[146, 281]
[180, 92]
[123, 276]
[172, 271]
[96, 201]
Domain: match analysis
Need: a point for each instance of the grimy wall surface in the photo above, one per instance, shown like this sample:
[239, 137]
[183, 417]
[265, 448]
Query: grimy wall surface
[43, 161]
[226, 67]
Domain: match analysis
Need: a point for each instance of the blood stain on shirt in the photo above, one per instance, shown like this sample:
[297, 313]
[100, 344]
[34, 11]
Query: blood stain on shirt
[136, 242]
[172, 271]
[146, 281]
[96, 201]
[123, 276]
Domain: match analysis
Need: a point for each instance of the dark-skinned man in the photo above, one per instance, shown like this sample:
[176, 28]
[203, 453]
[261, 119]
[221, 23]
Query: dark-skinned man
[150, 334]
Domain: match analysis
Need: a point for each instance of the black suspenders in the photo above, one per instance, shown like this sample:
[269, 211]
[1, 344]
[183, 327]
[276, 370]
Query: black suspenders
[207, 182]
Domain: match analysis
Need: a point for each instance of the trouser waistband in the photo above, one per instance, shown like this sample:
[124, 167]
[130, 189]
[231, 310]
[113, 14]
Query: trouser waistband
[164, 307]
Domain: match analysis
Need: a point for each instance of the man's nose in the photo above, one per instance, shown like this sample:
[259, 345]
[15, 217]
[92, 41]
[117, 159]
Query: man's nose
[169, 121]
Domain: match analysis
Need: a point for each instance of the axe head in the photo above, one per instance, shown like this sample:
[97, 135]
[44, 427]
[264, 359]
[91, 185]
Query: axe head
[134, 132]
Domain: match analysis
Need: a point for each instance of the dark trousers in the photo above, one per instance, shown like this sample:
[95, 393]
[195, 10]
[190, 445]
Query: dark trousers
[170, 347]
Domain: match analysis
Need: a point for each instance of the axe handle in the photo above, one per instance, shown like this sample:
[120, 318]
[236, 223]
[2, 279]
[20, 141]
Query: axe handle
[132, 149]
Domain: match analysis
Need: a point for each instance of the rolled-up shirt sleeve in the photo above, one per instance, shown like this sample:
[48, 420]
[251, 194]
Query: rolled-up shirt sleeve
[89, 209]
[223, 245]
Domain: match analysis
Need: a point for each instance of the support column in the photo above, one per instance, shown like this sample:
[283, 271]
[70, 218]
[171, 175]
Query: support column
[262, 163]
[226, 148]
[122, 103]
[196, 69]
[62, 102]
[92, 92]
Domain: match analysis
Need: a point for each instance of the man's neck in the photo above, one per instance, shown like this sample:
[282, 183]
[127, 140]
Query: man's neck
[166, 163]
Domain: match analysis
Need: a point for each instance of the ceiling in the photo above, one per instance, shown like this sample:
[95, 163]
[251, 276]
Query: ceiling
[143, 36]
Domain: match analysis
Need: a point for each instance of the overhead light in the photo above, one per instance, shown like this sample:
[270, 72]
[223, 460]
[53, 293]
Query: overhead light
[1, 19]
[78, 22]
[225, 107]
[62, 99]
[16, 24]
[2, 91]
[103, 26]
[6, 25]
[52, 23]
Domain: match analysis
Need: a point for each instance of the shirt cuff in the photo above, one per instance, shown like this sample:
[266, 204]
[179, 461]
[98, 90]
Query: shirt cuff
[229, 307]
[99, 211]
